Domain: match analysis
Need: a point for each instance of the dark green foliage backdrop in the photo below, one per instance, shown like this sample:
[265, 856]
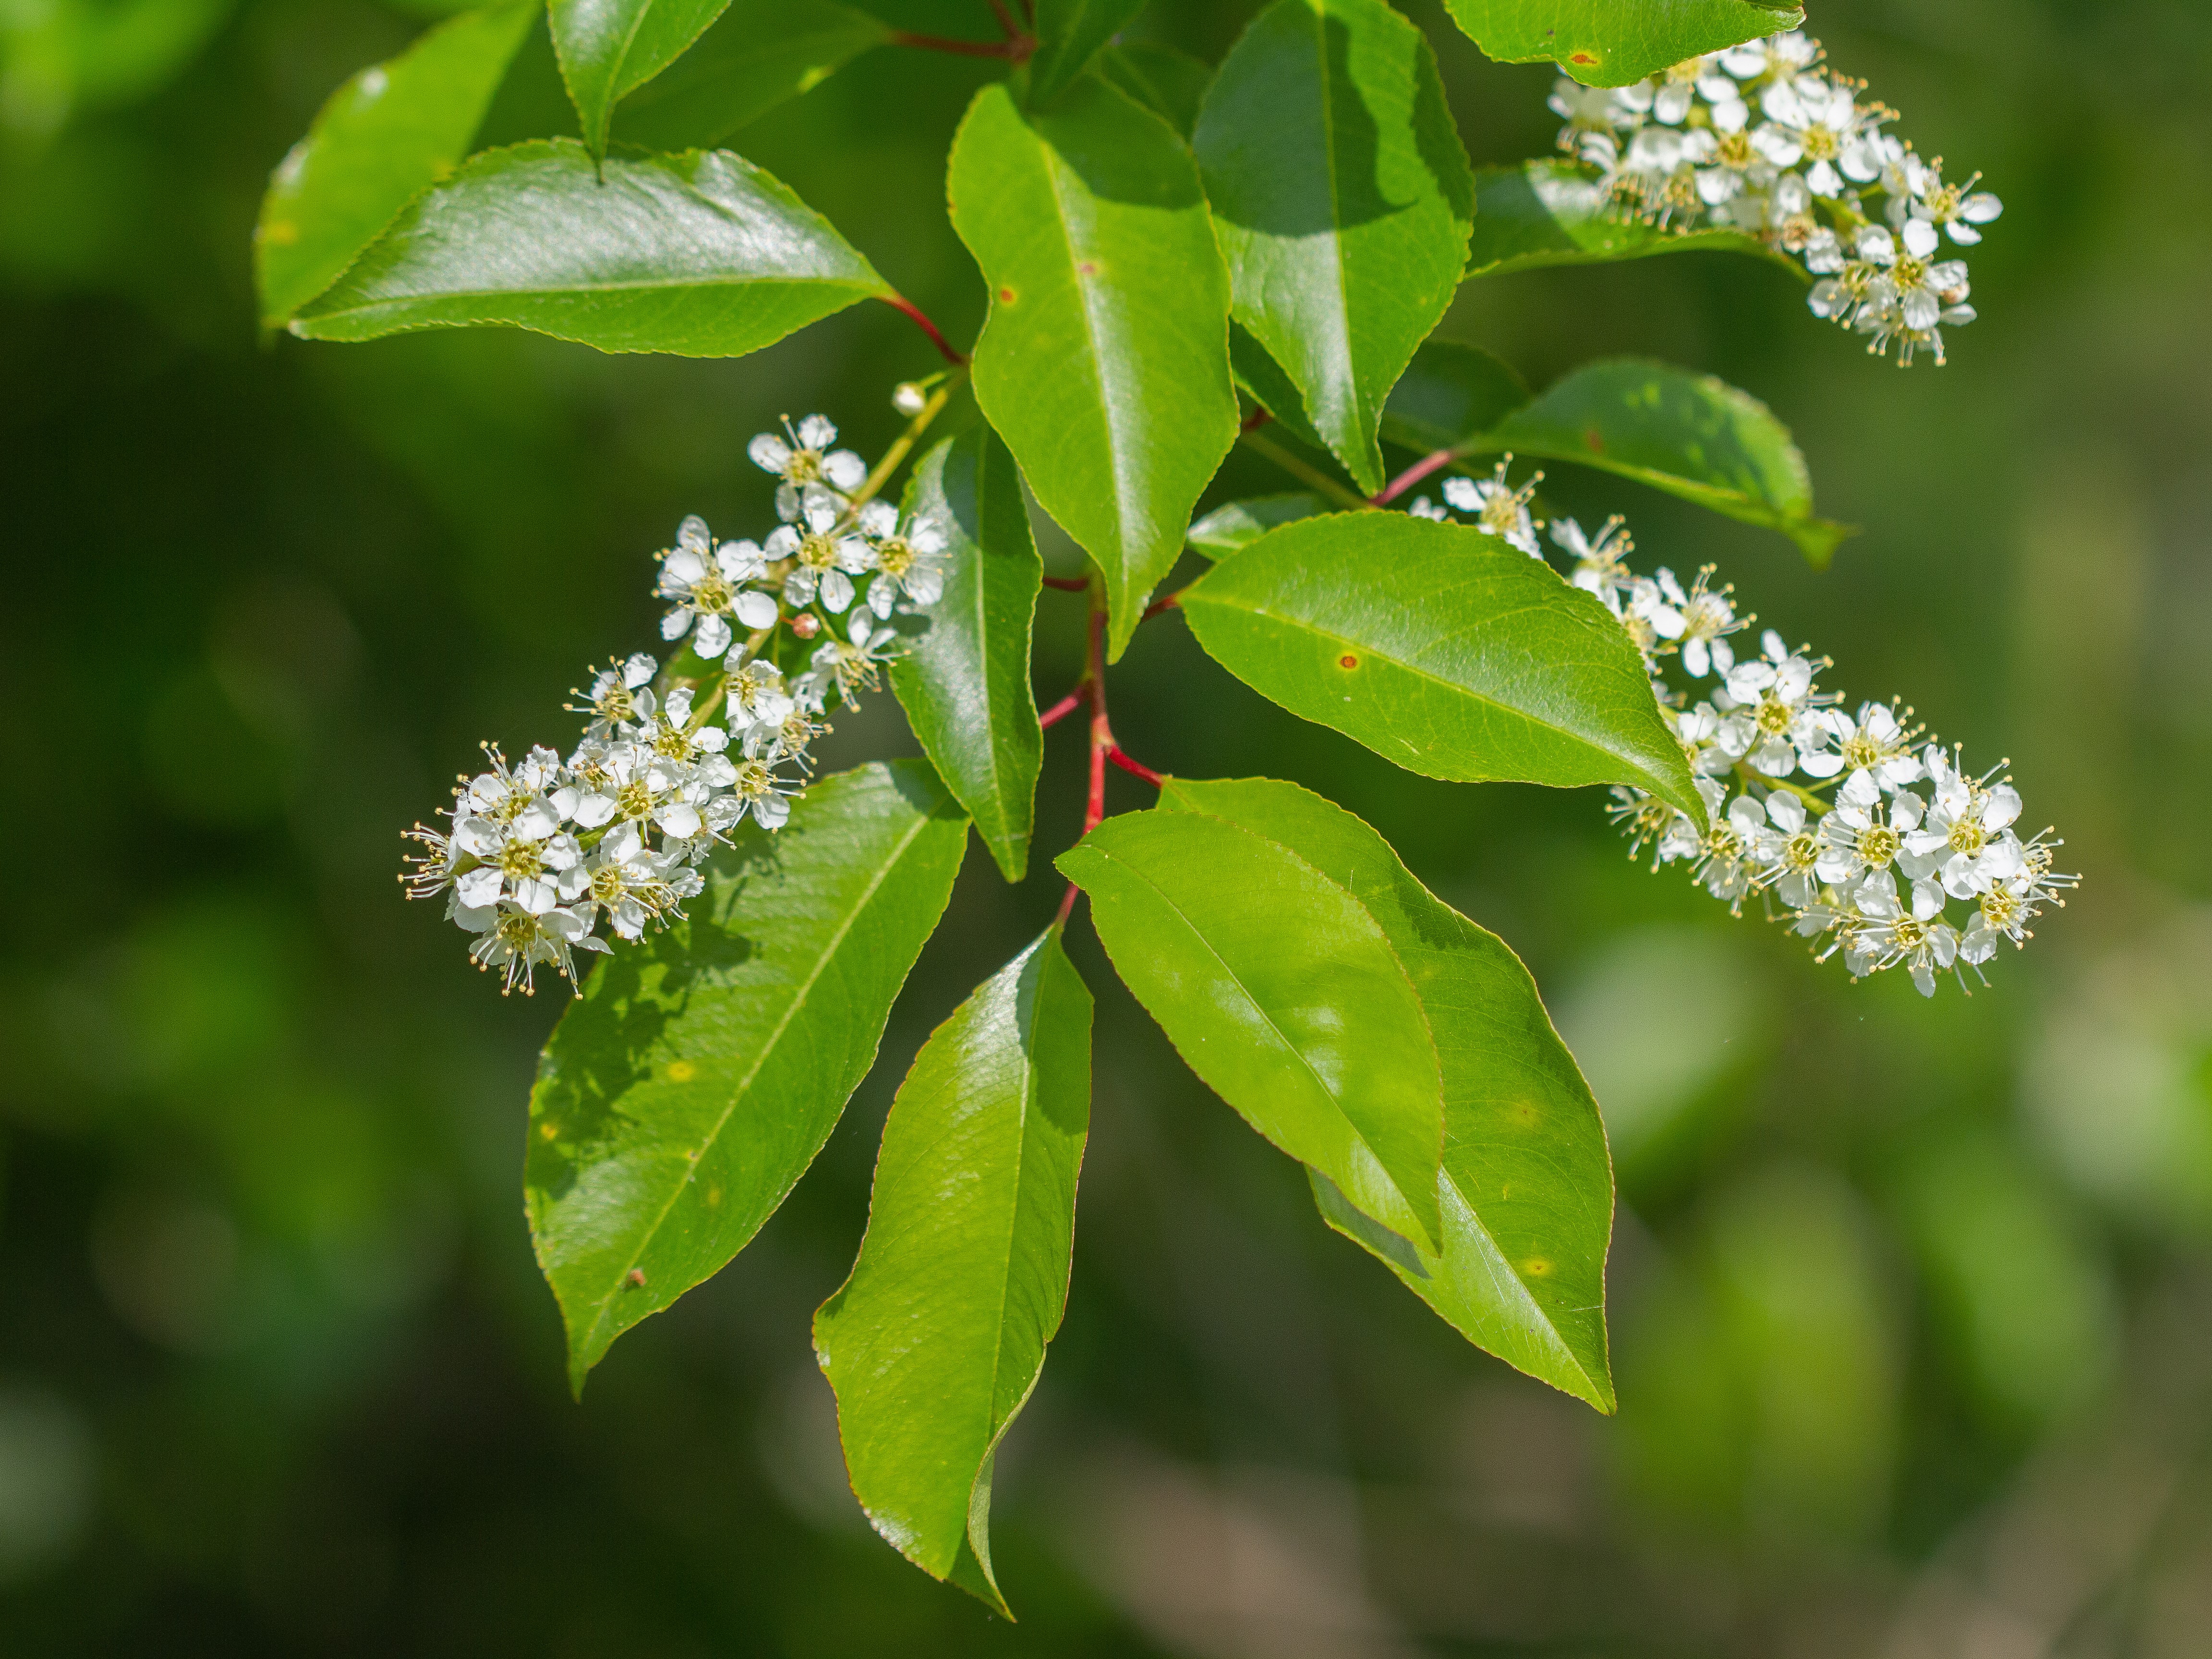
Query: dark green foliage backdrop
[1909, 1299]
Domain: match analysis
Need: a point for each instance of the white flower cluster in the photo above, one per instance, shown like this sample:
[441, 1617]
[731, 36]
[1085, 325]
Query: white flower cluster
[538, 854]
[1760, 139]
[1871, 872]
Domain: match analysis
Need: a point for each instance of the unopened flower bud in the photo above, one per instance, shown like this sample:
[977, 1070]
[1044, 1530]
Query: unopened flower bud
[909, 400]
[807, 625]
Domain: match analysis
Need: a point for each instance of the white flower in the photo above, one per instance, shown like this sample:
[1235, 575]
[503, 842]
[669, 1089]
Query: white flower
[756, 697]
[1790, 848]
[1874, 742]
[2003, 912]
[624, 877]
[1708, 616]
[803, 456]
[1859, 837]
[1957, 208]
[617, 695]
[1919, 938]
[1598, 560]
[706, 583]
[1774, 718]
[906, 558]
[824, 559]
[1499, 509]
[1422, 508]
[1783, 57]
[852, 662]
[1811, 121]
[1966, 833]
[516, 940]
[1727, 860]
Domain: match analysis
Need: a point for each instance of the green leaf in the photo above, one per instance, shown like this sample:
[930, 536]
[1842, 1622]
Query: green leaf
[701, 254]
[1070, 33]
[1103, 362]
[1451, 393]
[964, 680]
[1264, 383]
[1610, 43]
[1342, 197]
[1238, 525]
[689, 1087]
[759, 53]
[935, 1341]
[1441, 648]
[1525, 1192]
[1170, 83]
[1280, 991]
[1551, 213]
[608, 48]
[1689, 434]
[387, 134]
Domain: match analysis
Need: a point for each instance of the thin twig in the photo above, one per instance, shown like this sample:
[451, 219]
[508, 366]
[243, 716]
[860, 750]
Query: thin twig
[1006, 20]
[946, 43]
[1434, 461]
[1137, 767]
[1260, 444]
[1061, 710]
[900, 302]
[1172, 602]
[1069, 584]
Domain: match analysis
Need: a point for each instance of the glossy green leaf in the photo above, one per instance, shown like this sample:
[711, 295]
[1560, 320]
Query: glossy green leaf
[1281, 992]
[1551, 213]
[1239, 524]
[1342, 197]
[1441, 648]
[1070, 33]
[1525, 1192]
[1451, 393]
[1103, 362]
[1689, 434]
[694, 1080]
[608, 48]
[1610, 43]
[759, 53]
[386, 135]
[1264, 383]
[701, 255]
[964, 680]
[936, 1339]
[1170, 83]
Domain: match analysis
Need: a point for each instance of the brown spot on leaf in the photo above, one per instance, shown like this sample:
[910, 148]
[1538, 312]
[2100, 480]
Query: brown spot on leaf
[1593, 440]
[1007, 297]
[1582, 57]
[1088, 269]
[1347, 660]
[636, 1278]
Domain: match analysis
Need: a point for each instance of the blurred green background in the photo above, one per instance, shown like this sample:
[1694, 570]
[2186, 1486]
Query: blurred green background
[1912, 1302]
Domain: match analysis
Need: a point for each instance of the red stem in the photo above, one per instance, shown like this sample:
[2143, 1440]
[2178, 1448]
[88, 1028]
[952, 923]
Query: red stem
[1137, 767]
[1006, 20]
[1255, 419]
[945, 43]
[900, 302]
[1061, 710]
[1069, 584]
[1173, 602]
[1413, 475]
[1102, 733]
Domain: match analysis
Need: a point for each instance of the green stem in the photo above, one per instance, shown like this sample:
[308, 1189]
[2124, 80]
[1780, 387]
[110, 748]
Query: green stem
[1745, 775]
[954, 379]
[1260, 444]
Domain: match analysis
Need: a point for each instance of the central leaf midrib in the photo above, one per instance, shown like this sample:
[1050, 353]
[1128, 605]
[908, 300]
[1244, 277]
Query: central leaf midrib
[783, 1024]
[1327, 1093]
[1404, 666]
[578, 287]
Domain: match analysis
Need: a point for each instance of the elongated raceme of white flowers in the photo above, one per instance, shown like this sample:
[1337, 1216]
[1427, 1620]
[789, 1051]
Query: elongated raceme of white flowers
[1761, 139]
[1855, 826]
[538, 855]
